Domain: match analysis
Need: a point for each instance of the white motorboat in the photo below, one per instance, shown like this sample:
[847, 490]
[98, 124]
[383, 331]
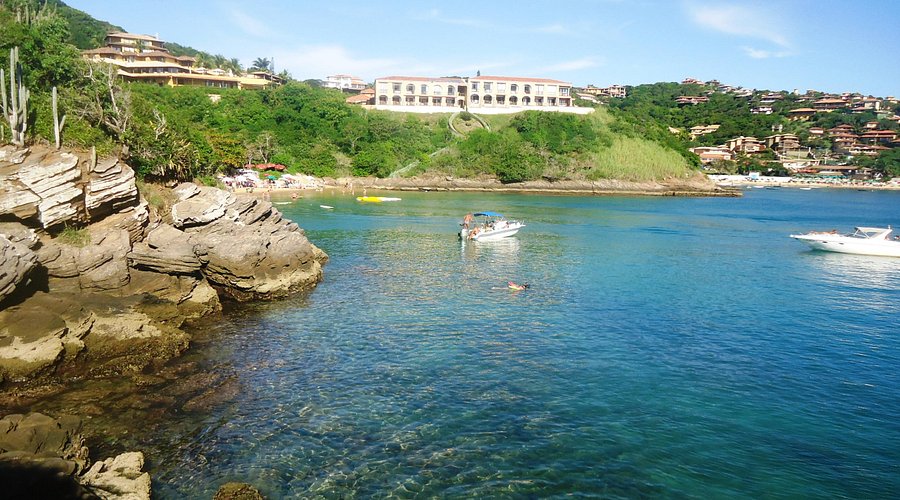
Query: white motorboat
[486, 226]
[863, 241]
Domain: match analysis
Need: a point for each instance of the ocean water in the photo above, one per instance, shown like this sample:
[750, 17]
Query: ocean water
[667, 348]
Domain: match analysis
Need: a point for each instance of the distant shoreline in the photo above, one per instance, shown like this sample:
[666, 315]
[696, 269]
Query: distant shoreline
[693, 187]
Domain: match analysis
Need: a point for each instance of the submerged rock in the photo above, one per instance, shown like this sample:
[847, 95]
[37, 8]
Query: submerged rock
[237, 491]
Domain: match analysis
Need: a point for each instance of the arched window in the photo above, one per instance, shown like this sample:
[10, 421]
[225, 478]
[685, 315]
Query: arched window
[451, 90]
[527, 89]
[410, 88]
[513, 100]
[488, 99]
[474, 98]
[382, 99]
[396, 100]
[513, 88]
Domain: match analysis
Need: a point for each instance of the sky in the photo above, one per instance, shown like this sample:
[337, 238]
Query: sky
[825, 45]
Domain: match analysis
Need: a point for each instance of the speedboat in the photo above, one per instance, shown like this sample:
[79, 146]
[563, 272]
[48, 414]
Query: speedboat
[863, 241]
[486, 226]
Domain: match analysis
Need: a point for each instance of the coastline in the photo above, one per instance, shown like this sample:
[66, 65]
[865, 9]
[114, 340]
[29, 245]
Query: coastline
[693, 187]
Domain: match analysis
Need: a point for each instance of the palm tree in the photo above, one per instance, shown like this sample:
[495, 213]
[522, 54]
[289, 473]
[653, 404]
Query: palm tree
[261, 64]
[234, 64]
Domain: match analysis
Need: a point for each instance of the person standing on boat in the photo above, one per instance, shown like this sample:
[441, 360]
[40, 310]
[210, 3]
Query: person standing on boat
[467, 220]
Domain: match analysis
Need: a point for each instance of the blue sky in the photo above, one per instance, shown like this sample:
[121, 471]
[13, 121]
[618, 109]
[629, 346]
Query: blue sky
[827, 45]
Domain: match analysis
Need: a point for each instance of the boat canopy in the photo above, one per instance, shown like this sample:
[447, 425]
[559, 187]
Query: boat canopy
[488, 214]
[873, 232]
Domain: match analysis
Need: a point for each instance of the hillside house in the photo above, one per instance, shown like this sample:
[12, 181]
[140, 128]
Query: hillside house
[690, 100]
[829, 104]
[801, 114]
[746, 145]
[145, 58]
[709, 154]
[344, 82]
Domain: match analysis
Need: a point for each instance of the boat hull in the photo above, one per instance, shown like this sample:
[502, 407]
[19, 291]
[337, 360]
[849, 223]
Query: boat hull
[843, 244]
[495, 234]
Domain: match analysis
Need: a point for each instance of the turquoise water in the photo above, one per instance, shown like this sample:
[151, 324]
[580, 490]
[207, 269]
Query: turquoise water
[668, 347]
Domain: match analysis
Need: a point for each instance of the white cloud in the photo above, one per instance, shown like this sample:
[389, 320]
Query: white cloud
[573, 65]
[438, 16]
[248, 24]
[319, 61]
[738, 20]
[764, 54]
[553, 29]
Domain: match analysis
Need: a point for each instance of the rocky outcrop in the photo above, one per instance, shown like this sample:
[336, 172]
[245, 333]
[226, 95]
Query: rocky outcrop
[16, 258]
[121, 477]
[110, 293]
[249, 251]
[43, 457]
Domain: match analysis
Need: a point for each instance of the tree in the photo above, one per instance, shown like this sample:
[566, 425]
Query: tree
[888, 163]
[261, 64]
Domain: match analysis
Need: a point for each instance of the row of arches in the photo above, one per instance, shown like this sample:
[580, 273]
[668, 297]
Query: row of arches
[500, 100]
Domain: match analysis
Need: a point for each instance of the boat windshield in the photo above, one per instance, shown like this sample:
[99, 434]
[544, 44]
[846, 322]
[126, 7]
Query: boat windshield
[871, 232]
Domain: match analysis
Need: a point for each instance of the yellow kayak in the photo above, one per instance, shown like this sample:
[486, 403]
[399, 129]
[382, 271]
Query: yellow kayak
[375, 199]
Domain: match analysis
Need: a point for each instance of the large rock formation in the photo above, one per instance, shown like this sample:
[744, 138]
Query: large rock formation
[43, 457]
[93, 280]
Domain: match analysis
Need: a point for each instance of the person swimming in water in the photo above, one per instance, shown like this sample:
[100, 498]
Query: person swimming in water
[516, 286]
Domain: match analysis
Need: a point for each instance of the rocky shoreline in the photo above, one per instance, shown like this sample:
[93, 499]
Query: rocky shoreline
[698, 185]
[97, 282]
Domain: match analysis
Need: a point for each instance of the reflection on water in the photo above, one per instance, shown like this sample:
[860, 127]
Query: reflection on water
[506, 248]
[859, 281]
[856, 270]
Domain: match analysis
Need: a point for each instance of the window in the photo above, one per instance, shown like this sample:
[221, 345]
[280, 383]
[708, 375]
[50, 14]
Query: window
[539, 89]
[564, 91]
[501, 88]
[382, 87]
[396, 88]
[410, 88]
[551, 89]
[487, 86]
[450, 90]
[514, 88]
[527, 89]
[423, 89]
[437, 90]
[474, 86]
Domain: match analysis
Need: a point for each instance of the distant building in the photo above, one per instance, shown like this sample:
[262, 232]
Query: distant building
[829, 104]
[801, 114]
[344, 82]
[365, 97]
[145, 58]
[484, 94]
[709, 154]
[690, 100]
[615, 91]
[783, 143]
[703, 130]
[746, 145]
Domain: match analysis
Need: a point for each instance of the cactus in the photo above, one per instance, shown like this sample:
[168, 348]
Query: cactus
[57, 123]
[15, 108]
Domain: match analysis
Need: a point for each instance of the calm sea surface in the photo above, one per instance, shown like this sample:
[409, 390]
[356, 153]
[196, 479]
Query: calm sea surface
[667, 347]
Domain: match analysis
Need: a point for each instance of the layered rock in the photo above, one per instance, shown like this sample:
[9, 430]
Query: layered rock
[116, 291]
[16, 260]
[251, 251]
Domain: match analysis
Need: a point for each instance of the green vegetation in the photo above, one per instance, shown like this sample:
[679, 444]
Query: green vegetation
[74, 236]
[182, 133]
